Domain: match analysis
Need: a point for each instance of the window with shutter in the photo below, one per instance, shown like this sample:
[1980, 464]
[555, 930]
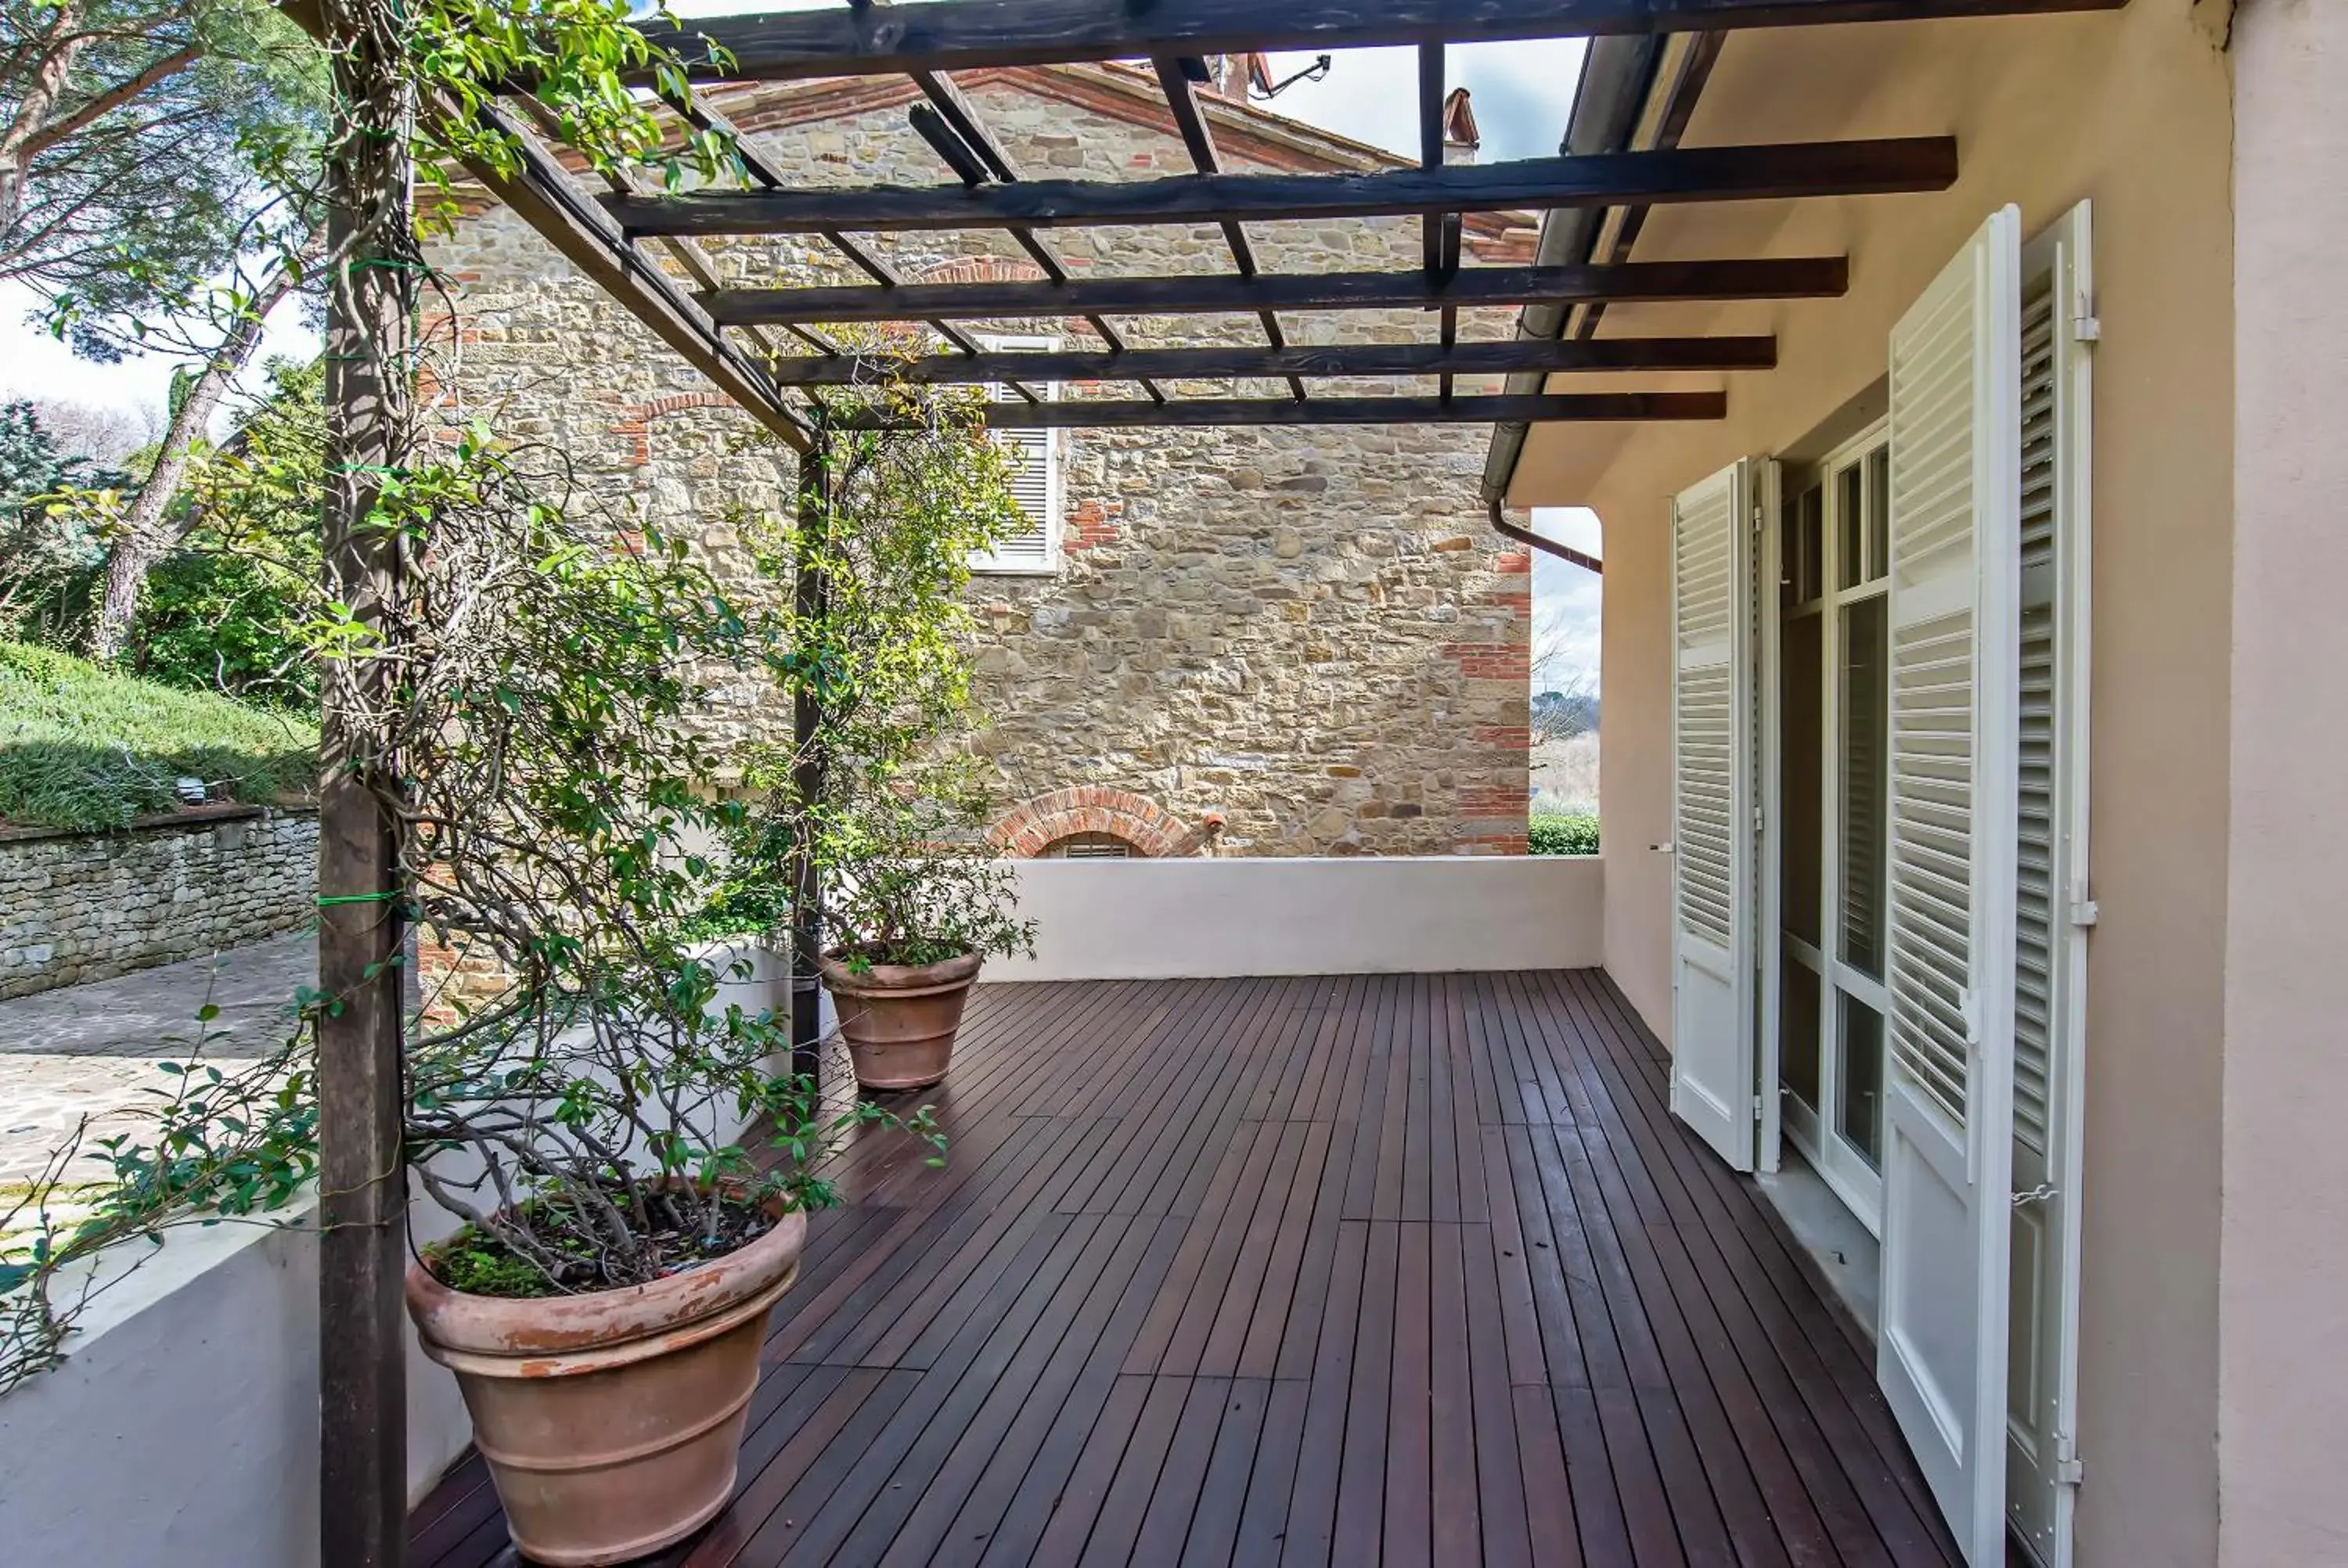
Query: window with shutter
[1034, 482]
[1955, 650]
[2052, 892]
[1714, 1040]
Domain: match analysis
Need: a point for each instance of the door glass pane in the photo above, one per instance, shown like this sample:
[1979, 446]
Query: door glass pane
[1801, 786]
[1852, 532]
[1859, 1117]
[1809, 543]
[1798, 1042]
[1863, 697]
[1878, 512]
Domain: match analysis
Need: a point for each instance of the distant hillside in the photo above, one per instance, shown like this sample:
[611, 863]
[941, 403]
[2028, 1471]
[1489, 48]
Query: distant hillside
[83, 747]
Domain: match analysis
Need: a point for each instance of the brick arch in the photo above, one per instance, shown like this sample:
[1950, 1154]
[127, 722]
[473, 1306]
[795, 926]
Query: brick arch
[980, 269]
[1153, 831]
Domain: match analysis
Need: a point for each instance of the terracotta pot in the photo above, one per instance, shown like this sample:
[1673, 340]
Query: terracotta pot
[900, 1019]
[611, 1422]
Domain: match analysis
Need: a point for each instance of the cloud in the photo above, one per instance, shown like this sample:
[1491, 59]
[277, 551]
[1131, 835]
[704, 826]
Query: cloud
[1567, 600]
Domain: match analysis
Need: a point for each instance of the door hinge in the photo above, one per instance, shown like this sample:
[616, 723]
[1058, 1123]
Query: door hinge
[1757, 1108]
[2070, 1469]
[1968, 1008]
[2085, 912]
[1756, 819]
[2087, 329]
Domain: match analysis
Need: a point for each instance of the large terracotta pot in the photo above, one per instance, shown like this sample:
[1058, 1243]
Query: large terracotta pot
[900, 1019]
[611, 1422]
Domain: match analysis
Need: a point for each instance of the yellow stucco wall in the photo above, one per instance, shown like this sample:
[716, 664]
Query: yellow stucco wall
[2132, 109]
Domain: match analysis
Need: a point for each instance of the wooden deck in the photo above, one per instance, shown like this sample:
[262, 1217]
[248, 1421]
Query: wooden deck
[1408, 1268]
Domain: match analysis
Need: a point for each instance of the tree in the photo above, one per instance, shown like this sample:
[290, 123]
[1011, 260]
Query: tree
[45, 561]
[159, 192]
[108, 437]
[139, 143]
[145, 530]
[224, 610]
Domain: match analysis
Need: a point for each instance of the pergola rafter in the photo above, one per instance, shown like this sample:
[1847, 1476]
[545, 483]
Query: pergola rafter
[1639, 283]
[1682, 174]
[966, 35]
[1724, 352]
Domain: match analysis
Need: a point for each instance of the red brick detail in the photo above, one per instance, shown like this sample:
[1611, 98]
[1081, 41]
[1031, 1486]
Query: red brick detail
[1513, 737]
[1490, 660]
[1092, 524]
[1513, 561]
[981, 269]
[633, 421]
[1026, 830]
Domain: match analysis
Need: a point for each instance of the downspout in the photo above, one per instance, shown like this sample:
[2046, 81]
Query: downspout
[1525, 536]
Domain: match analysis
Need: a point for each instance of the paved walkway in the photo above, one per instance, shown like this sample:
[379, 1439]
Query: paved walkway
[92, 1049]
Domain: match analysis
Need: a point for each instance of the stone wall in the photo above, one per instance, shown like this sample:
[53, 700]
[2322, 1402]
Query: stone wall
[89, 905]
[1290, 640]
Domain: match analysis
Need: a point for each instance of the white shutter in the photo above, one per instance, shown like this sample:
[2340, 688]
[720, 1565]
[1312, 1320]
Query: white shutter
[1955, 642]
[1713, 1068]
[2051, 939]
[1035, 481]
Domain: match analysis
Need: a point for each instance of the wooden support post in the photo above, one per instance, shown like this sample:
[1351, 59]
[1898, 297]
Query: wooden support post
[362, 1181]
[810, 598]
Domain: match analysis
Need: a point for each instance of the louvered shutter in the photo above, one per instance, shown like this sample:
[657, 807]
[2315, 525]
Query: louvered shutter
[1713, 1042]
[1955, 641]
[2051, 879]
[1035, 481]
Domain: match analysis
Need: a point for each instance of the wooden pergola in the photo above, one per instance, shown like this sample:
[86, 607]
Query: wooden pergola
[733, 335]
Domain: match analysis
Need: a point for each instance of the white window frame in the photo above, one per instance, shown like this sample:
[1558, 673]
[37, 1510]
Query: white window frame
[1054, 520]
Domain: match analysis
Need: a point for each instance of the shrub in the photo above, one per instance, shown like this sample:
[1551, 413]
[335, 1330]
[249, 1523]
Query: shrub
[86, 748]
[1563, 834]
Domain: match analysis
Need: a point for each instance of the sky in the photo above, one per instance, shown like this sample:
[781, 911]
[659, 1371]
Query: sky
[1522, 93]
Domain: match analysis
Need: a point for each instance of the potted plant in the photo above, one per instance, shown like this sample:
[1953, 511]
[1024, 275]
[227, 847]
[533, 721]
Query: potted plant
[915, 901]
[603, 1304]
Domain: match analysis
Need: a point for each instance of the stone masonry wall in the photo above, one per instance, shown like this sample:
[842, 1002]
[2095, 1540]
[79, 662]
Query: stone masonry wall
[1288, 641]
[78, 907]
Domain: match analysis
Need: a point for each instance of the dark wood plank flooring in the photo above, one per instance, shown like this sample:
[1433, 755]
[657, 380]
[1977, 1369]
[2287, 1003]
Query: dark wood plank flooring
[1409, 1268]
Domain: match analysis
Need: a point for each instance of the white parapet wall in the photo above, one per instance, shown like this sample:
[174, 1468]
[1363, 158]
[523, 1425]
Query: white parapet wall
[182, 1427]
[1157, 920]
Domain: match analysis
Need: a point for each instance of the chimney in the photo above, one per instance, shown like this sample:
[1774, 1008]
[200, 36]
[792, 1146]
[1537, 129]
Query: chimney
[1460, 140]
[1233, 75]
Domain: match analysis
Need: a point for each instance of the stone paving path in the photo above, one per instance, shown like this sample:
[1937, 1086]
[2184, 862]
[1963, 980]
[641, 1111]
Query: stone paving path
[91, 1049]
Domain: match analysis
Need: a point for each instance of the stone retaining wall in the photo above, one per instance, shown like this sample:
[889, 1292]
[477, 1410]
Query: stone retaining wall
[89, 905]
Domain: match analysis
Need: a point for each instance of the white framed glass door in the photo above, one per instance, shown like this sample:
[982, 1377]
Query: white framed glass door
[1833, 702]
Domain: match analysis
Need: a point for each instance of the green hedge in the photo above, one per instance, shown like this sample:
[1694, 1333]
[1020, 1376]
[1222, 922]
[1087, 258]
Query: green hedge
[84, 747]
[1563, 834]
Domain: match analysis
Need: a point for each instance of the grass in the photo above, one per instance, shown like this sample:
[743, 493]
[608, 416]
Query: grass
[83, 747]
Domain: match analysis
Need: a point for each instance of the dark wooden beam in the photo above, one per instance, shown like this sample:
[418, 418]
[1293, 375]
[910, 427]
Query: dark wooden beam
[952, 122]
[1682, 174]
[1333, 360]
[947, 99]
[967, 34]
[1766, 278]
[957, 154]
[767, 172]
[1178, 79]
[543, 195]
[1430, 143]
[1191, 412]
